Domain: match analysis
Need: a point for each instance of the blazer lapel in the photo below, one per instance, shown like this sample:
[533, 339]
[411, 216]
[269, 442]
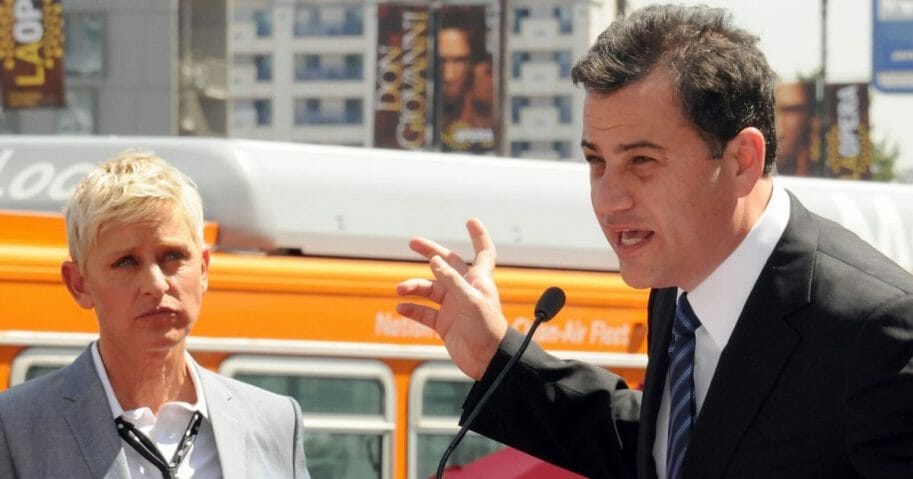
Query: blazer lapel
[88, 415]
[760, 346]
[661, 309]
[226, 417]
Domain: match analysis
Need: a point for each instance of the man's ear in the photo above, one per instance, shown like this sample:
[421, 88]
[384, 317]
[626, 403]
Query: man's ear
[75, 282]
[747, 153]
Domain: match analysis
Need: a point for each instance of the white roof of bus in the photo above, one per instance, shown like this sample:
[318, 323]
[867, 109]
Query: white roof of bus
[362, 202]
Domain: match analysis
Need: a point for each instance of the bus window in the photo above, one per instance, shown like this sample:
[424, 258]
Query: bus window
[436, 395]
[34, 362]
[347, 408]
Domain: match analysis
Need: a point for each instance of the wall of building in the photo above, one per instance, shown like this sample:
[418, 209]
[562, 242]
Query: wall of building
[295, 70]
[120, 72]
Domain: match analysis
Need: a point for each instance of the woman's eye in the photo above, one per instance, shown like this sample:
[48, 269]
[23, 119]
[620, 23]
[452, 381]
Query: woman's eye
[125, 261]
[175, 256]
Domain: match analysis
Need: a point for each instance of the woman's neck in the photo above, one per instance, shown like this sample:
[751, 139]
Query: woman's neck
[147, 379]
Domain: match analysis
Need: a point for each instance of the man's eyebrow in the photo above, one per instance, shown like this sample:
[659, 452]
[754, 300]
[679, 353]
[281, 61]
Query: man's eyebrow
[625, 146]
[639, 144]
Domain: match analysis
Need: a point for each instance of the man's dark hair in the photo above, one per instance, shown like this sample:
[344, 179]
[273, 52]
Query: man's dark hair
[720, 75]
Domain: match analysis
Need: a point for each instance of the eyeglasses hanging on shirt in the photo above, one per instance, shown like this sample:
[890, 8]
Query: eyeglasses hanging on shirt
[146, 448]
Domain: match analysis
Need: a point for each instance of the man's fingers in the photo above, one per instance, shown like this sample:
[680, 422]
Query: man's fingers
[449, 278]
[429, 249]
[420, 313]
[484, 247]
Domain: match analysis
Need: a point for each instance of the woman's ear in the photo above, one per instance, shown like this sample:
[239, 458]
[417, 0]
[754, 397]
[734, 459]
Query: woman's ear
[75, 282]
[205, 266]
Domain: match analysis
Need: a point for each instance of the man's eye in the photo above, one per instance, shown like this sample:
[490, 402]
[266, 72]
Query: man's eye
[593, 160]
[641, 160]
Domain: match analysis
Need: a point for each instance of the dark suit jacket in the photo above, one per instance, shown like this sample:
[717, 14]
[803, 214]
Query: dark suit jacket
[60, 426]
[816, 381]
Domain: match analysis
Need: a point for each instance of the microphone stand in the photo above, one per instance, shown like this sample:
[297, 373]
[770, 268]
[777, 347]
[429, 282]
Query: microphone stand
[551, 301]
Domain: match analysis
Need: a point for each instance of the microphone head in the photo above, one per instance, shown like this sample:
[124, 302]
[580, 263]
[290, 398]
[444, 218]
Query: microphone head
[551, 301]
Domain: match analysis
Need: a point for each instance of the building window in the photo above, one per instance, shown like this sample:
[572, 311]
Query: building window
[563, 148]
[328, 67]
[564, 108]
[563, 59]
[519, 15]
[517, 148]
[264, 64]
[84, 48]
[347, 409]
[264, 110]
[353, 111]
[328, 20]
[565, 18]
[328, 111]
[78, 117]
[517, 103]
[556, 150]
[263, 18]
[516, 62]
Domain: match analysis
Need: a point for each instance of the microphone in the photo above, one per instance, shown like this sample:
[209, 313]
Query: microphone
[551, 301]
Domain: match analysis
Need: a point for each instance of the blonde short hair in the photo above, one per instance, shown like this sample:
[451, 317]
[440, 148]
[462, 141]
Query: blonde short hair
[134, 186]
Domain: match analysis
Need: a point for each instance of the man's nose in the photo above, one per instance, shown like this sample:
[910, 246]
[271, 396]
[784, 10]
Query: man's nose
[609, 195]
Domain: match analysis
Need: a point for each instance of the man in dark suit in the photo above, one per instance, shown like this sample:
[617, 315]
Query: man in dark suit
[780, 344]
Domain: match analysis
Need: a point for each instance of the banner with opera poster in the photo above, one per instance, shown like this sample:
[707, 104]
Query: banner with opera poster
[401, 95]
[849, 149]
[465, 80]
[31, 52]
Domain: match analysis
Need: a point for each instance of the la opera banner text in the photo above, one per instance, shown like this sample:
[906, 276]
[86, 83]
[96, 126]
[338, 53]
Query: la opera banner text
[31, 52]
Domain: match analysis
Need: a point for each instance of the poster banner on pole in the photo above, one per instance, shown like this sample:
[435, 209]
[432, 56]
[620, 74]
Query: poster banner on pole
[465, 81]
[401, 94]
[797, 126]
[849, 150]
[892, 45]
[31, 52]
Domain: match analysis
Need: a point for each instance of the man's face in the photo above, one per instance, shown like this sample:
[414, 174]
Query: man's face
[145, 281]
[455, 54]
[665, 205]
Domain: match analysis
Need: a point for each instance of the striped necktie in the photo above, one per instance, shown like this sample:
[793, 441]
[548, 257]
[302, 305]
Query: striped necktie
[681, 386]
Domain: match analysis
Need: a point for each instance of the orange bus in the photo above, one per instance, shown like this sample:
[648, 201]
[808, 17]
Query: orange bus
[308, 244]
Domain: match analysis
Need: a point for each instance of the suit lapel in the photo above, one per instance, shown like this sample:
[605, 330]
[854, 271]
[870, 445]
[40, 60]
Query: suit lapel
[759, 348]
[226, 416]
[88, 415]
[661, 309]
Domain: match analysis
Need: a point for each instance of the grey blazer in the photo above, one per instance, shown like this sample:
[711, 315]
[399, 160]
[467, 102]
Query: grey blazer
[60, 426]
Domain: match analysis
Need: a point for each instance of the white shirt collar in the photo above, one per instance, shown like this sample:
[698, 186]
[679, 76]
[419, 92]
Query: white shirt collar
[117, 410]
[719, 299]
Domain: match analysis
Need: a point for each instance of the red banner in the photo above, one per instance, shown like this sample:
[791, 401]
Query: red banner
[401, 90]
[31, 51]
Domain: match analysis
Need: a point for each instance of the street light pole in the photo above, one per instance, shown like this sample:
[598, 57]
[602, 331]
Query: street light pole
[821, 94]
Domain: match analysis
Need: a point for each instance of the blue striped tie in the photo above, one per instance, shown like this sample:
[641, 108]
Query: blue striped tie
[681, 386]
